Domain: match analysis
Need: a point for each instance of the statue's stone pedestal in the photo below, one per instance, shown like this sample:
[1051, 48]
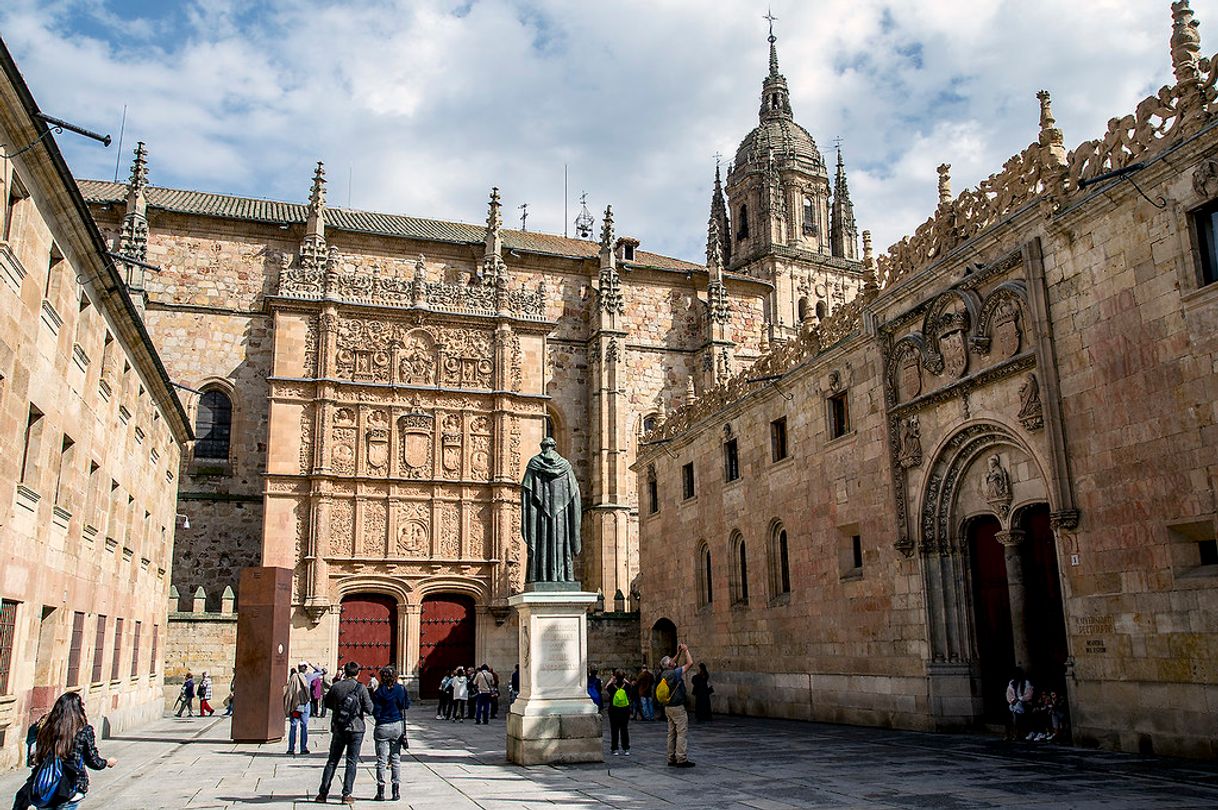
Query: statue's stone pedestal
[553, 720]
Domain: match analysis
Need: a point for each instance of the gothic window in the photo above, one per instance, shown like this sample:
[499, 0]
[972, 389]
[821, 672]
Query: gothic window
[740, 570]
[803, 308]
[706, 590]
[742, 223]
[775, 102]
[822, 311]
[1205, 222]
[213, 426]
[650, 421]
[809, 225]
[780, 564]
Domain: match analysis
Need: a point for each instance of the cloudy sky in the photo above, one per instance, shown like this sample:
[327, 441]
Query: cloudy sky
[424, 104]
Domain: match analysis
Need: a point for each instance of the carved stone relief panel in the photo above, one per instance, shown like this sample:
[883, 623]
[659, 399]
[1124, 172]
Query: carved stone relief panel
[449, 522]
[306, 439]
[342, 528]
[375, 522]
[417, 359]
[480, 534]
[1031, 411]
[376, 442]
[909, 376]
[469, 360]
[451, 443]
[480, 447]
[342, 442]
[1008, 332]
[909, 450]
[414, 529]
[415, 443]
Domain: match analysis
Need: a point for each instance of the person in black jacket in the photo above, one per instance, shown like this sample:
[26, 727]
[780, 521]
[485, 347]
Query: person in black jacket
[348, 701]
[66, 734]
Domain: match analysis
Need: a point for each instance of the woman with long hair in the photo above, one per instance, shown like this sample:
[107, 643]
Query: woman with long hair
[702, 694]
[65, 736]
[389, 705]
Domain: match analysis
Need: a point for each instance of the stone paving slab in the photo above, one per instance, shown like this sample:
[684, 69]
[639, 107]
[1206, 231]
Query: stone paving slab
[743, 764]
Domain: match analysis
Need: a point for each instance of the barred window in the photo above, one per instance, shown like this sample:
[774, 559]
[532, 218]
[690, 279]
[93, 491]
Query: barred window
[8, 628]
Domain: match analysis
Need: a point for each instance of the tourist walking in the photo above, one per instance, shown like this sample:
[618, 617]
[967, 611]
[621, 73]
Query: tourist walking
[205, 692]
[186, 697]
[296, 694]
[460, 687]
[389, 705]
[484, 684]
[671, 694]
[232, 696]
[348, 701]
[64, 751]
[617, 694]
[643, 686]
[702, 694]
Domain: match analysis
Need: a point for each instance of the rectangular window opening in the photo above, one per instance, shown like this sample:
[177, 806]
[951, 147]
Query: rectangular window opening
[856, 549]
[687, 481]
[653, 495]
[8, 629]
[78, 639]
[32, 446]
[116, 659]
[1208, 550]
[731, 460]
[135, 649]
[1205, 222]
[839, 416]
[99, 649]
[778, 439]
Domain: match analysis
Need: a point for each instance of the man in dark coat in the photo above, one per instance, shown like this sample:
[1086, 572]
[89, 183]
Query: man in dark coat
[550, 516]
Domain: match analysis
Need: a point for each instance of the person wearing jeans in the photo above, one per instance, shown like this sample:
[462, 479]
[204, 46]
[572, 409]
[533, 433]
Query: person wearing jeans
[348, 702]
[296, 707]
[484, 684]
[389, 704]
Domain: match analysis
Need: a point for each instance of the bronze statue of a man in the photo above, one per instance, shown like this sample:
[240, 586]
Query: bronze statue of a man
[550, 516]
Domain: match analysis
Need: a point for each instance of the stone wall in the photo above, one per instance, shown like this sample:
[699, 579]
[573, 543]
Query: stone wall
[1030, 388]
[200, 641]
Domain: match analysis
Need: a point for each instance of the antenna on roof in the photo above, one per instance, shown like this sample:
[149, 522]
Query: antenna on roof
[524, 216]
[121, 129]
[584, 222]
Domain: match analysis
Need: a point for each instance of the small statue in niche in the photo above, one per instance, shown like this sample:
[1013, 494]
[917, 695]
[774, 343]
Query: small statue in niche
[997, 486]
[1031, 412]
[909, 443]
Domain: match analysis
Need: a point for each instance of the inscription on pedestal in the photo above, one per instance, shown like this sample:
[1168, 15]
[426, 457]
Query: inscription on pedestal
[557, 653]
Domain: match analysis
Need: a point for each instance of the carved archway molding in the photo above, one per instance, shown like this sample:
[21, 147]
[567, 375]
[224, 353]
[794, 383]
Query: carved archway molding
[938, 526]
[399, 589]
[451, 584]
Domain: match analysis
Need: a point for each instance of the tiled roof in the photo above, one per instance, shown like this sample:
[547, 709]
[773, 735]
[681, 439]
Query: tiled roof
[203, 203]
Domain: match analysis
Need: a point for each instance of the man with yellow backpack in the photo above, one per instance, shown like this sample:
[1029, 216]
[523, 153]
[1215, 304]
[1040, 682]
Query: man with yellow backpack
[670, 693]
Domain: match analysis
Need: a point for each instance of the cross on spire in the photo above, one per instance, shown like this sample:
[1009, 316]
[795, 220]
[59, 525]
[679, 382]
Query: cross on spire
[769, 16]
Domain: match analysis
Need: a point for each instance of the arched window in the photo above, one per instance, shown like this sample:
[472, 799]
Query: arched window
[803, 308]
[553, 426]
[740, 570]
[821, 311]
[650, 421]
[213, 426]
[780, 563]
[742, 223]
[809, 216]
[706, 589]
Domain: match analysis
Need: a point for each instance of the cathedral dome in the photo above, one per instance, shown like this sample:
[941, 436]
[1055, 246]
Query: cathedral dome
[790, 144]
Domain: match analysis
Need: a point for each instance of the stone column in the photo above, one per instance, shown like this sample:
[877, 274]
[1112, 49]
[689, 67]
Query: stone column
[412, 627]
[1012, 542]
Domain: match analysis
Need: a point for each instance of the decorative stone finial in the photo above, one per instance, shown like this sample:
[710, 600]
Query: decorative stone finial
[494, 214]
[690, 392]
[1185, 61]
[317, 193]
[493, 265]
[945, 183]
[607, 228]
[870, 284]
[139, 169]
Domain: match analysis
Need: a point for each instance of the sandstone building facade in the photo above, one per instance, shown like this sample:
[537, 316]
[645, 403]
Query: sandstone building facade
[1003, 452]
[91, 435]
[367, 387]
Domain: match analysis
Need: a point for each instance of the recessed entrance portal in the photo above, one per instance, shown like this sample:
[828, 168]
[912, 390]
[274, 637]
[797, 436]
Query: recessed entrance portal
[447, 627]
[663, 640]
[992, 615]
[368, 632]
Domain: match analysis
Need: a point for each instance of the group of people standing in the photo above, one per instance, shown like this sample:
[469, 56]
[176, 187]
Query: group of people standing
[459, 687]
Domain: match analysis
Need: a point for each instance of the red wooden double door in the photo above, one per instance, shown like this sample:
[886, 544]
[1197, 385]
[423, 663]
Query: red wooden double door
[368, 632]
[446, 639]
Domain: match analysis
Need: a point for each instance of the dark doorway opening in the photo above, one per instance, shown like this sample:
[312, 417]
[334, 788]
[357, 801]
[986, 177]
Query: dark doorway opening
[1045, 616]
[663, 640]
[991, 615]
[447, 627]
[368, 632]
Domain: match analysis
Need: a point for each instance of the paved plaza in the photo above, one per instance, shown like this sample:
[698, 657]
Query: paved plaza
[742, 763]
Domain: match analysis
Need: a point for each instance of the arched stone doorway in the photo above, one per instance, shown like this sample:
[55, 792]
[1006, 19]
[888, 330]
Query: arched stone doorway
[368, 632]
[447, 632]
[663, 640]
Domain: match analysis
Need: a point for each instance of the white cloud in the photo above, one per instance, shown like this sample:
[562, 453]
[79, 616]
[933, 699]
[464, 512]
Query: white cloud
[426, 104]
